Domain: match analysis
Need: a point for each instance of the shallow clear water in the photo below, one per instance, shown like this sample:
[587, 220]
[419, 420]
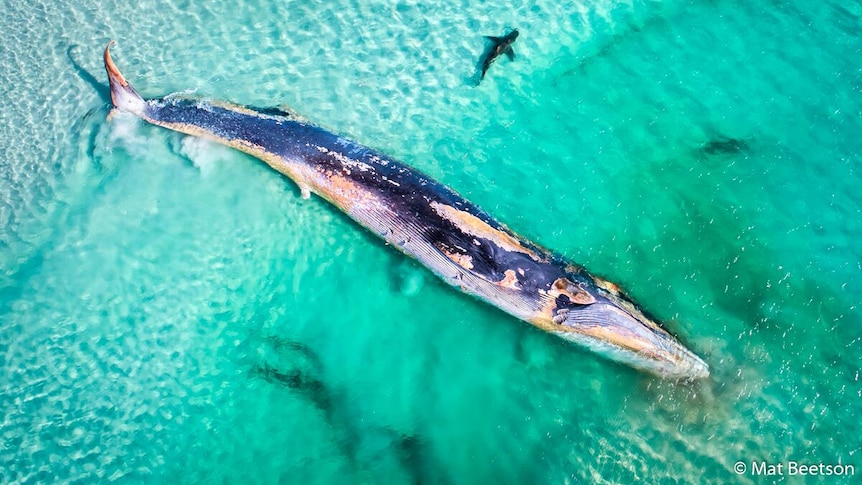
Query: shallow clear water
[171, 310]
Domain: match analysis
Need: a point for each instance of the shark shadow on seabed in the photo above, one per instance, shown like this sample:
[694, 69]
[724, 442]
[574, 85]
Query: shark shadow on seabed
[723, 145]
[294, 366]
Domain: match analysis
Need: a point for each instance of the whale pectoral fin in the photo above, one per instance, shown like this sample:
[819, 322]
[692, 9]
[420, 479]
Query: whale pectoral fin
[304, 191]
[510, 53]
[280, 110]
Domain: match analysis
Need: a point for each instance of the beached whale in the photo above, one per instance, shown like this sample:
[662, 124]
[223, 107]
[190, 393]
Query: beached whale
[452, 237]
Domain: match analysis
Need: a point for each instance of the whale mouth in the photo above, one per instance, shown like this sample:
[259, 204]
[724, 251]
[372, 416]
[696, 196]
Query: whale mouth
[609, 330]
[621, 332]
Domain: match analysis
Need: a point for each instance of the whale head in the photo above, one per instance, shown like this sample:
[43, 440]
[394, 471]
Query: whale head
[598, 315]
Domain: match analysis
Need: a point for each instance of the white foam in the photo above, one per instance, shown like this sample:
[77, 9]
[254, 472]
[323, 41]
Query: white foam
[204, 154]
[126, 133]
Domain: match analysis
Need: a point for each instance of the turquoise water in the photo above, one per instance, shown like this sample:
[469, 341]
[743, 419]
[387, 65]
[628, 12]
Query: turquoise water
[172, 311]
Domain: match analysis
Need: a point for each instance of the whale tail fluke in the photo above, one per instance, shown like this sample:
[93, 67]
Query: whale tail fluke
[123, 95]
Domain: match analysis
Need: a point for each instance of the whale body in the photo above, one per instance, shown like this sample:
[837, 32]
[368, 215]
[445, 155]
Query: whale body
[455, 239]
